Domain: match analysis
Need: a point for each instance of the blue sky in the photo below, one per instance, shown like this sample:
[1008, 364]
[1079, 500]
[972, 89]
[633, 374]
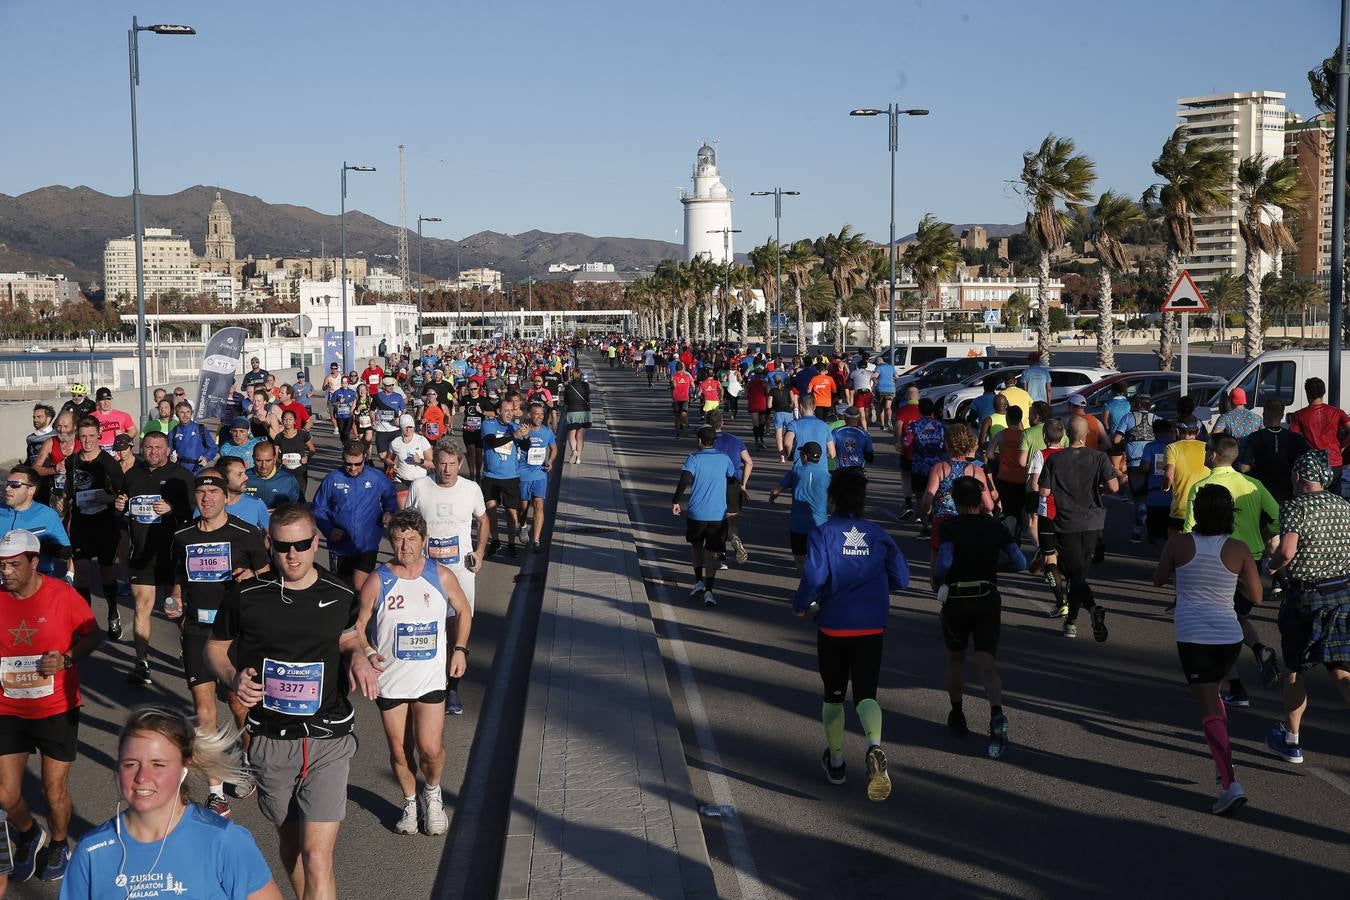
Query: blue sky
[585, 116]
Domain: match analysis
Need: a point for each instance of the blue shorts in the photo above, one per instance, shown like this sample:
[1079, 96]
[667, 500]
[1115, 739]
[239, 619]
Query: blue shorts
[781, 421]
[535, 487]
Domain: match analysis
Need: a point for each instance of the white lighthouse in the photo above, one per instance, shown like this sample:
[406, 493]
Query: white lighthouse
[707, 209]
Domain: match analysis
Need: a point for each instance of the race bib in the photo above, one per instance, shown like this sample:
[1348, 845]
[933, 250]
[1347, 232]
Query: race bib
[292, 689]
[343, 410]
[87, 502]
[415, 640]
[142, 508]
[363, 420]
[206, 616]
[385, 415]
[21, 680]
[209, 562]
[473, 423]
[1159, 462]
[290, 460]
[444, 550]
[433, 429]
[535, 456]
[59, 483]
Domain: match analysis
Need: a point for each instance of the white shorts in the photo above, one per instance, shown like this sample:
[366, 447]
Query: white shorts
[466, 580]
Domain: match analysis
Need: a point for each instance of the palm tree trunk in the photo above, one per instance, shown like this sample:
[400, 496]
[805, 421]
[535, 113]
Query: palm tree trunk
[876, 322]
[1043, 314]
[923, 327]
[1167, 342]
[801, 319]
[1251, 305]
[1106, 323]
[838, 314]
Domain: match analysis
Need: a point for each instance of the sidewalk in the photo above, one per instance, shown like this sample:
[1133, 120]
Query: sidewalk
[603, 804]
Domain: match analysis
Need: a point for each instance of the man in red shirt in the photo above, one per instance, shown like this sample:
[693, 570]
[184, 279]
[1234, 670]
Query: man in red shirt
[681, 386]
[45, 629]
[906, 414]
[372, 375]
[290, 402]
[111, 422]
[1322, 425]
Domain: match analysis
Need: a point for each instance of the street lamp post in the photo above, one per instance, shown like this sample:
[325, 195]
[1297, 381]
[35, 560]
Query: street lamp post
[1337, 310]
[893, 114]
[726, 234]
[342, 227]
[421, 285]
[778, 194]
[134, 64]
[92, 336]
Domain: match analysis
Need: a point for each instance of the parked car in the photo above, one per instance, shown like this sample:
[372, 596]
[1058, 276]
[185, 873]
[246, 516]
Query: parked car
[1064, 380]
[907, 356]
[1152, 383]
[948, 371]
[1205, 395]
[1280, 374]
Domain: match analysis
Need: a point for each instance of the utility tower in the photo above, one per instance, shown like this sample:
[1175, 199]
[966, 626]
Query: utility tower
[402, 229]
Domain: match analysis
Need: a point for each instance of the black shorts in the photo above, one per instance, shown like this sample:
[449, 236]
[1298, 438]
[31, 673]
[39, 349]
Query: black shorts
[964, 617]
[856, 658]
[1012, 497]
[345, 566]
[502, 491]
[1207, 663]
[195, 670]
[95, 538]
[918, 483]
[55, 737]
[1045, 534]
[679, 406]
[797, 540]
[1295, 633]
[154, 568]
[711, 536]
[387, 703]
[1156, 520]
[733, 497]
[472, 438]
[383, 439]
[1173, 522]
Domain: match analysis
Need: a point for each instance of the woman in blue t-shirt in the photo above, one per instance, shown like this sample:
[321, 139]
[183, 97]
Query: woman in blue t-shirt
[159, 844]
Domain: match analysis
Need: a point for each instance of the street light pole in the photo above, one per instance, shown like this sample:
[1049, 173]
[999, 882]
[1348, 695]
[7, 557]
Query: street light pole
[134, 65]
[893, 113]
[1338, 207]
[726, 234]
[778, 194]
[421, 285]
[342, 227]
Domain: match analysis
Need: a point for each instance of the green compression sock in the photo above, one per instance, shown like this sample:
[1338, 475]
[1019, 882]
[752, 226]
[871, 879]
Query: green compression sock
[870, 714]
[832, 714]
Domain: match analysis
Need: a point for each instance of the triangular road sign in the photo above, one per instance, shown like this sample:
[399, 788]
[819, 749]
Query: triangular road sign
[1184, 296]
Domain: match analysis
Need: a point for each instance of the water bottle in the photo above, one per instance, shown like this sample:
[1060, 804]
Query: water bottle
[172, 607]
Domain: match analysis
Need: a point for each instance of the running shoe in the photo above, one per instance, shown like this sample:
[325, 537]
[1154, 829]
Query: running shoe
[26, 853]
[709, 599]
[998, 735]
[523, 533]
[58, 859]
[1231, 799]
[140, 674]
[217, 804]
[1099, 632]
[115, 627]
[833, 774]
[722, 564]
[434, 819]
[907, 514]
[243, 789]
[1058, 611]
[1236, 695]
[697, 589]
[1270, 668]
[956, 723]
[1277, 739]
[742, 555]
[453, 705]
[1069, 630]
[407, 823]
[878, 782]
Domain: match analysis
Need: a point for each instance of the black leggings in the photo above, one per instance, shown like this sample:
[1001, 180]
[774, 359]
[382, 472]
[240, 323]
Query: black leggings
[845, 659]
[1075, 555]
[733, 405]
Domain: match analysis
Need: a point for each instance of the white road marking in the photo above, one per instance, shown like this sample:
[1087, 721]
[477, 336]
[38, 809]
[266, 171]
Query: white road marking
[1332, 779]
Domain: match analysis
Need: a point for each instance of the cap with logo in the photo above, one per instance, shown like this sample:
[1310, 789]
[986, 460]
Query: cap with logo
[388, 382]
[1077, 400]
[406, 422]
[17, 543]
[103, 394]
[122, 442]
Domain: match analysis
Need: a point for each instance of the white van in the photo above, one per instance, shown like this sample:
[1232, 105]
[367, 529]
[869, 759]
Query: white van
[1279, 374]
[908, 356]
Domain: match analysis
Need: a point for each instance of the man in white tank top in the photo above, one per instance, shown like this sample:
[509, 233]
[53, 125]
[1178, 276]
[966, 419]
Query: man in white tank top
[408, 606]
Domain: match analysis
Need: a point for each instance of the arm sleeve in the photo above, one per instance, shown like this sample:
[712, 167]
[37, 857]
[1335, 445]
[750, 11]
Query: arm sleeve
[686, 479]
[943, 564]
[815, 571]
[1016, 559]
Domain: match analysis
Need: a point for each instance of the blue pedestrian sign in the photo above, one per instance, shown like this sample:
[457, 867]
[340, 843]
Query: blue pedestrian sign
[992, 316]
[778, 321]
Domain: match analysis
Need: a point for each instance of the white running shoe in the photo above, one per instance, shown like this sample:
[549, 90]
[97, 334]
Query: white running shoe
[433, 811]
[709, 599]
[407, 823]
[697, 589]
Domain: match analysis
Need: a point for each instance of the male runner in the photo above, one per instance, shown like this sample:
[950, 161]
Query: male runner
[268, 482]
[681, 389]
[341, 404]
[190, 444]
[241, 504]
[477, 408]
[706, 474]
[852, 442]
[93, 481]
[255, 377]
[809, 428]
[20, 510]
[540, 452]
[738, 489]
[43, 417]
[351, 508]
[502, 439]
[112, 422]
[387, 406]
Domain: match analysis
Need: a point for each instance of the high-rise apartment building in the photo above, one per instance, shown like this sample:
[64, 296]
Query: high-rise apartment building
[1245, 123]
[168, 265]
[1309, 146]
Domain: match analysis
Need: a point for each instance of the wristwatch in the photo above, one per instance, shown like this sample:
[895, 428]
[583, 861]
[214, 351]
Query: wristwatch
[461, 649]
[69, 663]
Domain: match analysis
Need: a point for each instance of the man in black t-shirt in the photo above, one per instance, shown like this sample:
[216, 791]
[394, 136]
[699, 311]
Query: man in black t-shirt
[288, 648]
[93, 479]
[477, 410]
[1268, 455]
[1076, 476]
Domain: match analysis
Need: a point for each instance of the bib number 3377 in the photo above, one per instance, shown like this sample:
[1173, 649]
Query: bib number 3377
[292, 688]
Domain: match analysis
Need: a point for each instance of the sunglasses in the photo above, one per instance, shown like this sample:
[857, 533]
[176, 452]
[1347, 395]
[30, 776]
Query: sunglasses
[18, 484]
[353, 465]
[284, 547]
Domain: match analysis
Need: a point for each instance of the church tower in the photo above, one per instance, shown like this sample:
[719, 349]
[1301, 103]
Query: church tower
[219, 234]
[708, 208]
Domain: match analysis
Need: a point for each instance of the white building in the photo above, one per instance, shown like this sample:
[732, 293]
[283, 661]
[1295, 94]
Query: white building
[707, 209]
[1245, 124]
[43, 293]
[382, 282]
[167, 261]
[221, 286]
[472, 279]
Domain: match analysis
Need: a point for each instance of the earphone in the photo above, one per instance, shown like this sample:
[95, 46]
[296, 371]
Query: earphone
[121, 880]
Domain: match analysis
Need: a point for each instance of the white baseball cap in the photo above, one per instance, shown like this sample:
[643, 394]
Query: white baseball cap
[406, 421]
[17, 543]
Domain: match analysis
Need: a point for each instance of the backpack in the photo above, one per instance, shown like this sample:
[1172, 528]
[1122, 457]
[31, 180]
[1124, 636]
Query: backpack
[1141, 430]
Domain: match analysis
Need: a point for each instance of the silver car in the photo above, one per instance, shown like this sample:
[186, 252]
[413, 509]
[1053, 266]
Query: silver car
[1064, 380]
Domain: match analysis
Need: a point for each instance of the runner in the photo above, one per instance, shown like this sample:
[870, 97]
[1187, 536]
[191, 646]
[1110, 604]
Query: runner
[1132, 431]
[576, 398]
[738, 489]
[937, 503]
[20, 510]
[210, 555]
[371, 375]
[45, 630]
[477, 409]
[1268, 455]
[783, 405]
[270, 484]
[93, 480]
[809, 428]
[925, 439]
[255, 377]
[709, 392]
[351, 508]
[241, 442]
[406, 645]
[1184, 463]
[79, 403]
[502, 439]
[190, 444]
[1153, 465]
[1240, 422]
[112, 422]
[50, 462]
[885, 388]
[681, 390]
[387, 406]
[295, 445]
[1010, 476]
[809, 481]
[1046, 560]
[1211, 570]
[42, 433]
[156, 499]
[965, 572]
[649, 364]
[1314, 560]
[1325, 427]
[539, 455]
[434, 415]
[240, 503]
[852, 566]
[821, 388]
[341, 408]
[706, 474]
[289, 648]
[862, 381]
[408, 458]
[757, 404]
[852, 442]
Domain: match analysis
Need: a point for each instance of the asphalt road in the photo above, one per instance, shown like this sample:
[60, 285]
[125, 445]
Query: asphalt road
[372, 861]
[1107, 784]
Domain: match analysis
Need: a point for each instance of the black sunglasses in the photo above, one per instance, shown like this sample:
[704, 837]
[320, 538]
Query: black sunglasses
[284, 547]
[353, 465]
[18, 484]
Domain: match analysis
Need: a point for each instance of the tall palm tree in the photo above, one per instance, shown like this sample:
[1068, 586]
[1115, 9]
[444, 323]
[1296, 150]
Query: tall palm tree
[844, 258]
[878, 284]
[1225, 292]
[799, 261]
[1113, 215]
[1051, 175]
[765, 277]
[1194, 173]
[932, 256]
[1265, 188]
